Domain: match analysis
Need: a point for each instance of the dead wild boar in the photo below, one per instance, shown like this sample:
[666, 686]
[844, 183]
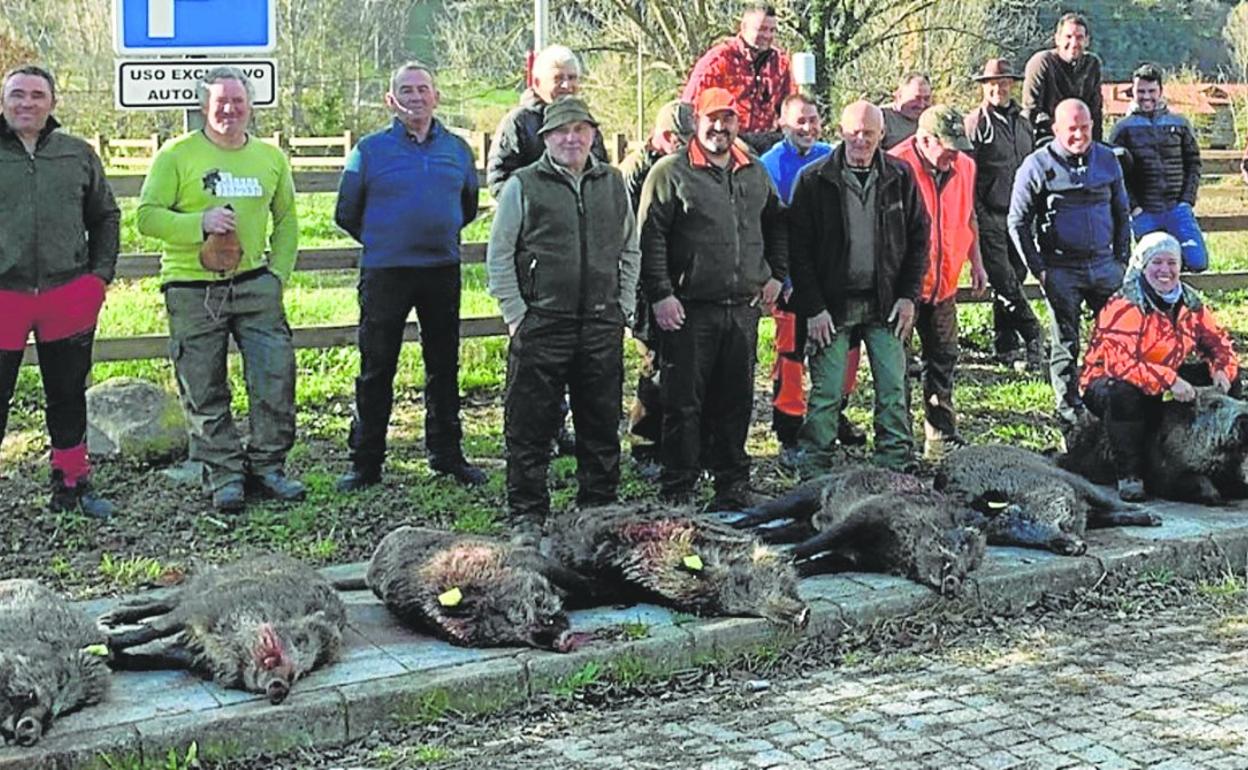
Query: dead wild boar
[256, 625]
[678, 557]
[1018, 497]
[52, 660]
[872, 519]
[1198, 453]
[473, 591]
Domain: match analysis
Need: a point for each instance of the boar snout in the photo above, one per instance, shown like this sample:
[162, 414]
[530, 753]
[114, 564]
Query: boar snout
[277, 691]
[28, 731]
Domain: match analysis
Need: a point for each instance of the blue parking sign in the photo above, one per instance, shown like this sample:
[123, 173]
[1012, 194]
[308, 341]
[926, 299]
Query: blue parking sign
[187, 27]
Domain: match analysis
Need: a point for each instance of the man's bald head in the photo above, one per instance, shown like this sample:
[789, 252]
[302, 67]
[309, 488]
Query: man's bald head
[1072, 126]
[862, 128]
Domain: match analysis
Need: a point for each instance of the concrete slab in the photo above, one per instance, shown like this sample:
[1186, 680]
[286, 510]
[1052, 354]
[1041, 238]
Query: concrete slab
[389, 673]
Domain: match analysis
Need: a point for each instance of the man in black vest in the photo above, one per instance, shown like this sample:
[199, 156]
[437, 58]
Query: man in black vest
[562, 263]
[1002, 138]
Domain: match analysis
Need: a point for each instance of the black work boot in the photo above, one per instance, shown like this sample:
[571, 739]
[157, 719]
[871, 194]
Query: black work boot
[358, 478]
[276, 486]
[79, 498]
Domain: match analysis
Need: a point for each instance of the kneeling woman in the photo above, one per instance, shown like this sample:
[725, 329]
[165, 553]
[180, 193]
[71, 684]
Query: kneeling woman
[1143, 337]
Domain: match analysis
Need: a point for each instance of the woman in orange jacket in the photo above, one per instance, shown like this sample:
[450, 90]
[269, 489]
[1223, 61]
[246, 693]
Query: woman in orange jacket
[1143, 336]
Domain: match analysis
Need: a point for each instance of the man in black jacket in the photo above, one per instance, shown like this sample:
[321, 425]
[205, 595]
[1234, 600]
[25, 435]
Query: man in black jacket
[858, 234]
[1066, 71]
[58, 252]
[1161, 165]
[713, 249]
[1002, 137]
[517, 142]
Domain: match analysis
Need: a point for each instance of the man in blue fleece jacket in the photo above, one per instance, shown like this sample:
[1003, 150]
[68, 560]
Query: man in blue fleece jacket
[1070, 220]
[405, 195]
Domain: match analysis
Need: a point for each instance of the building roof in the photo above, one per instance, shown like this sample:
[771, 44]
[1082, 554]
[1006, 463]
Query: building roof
[1186, 98]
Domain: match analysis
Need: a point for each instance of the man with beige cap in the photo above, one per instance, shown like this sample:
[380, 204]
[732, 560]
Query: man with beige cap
[1002, 137]
[673, 127]
[945, 176]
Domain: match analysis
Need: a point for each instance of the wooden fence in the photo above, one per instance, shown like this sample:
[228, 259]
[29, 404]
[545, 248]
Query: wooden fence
[306, 152]
[337, 335]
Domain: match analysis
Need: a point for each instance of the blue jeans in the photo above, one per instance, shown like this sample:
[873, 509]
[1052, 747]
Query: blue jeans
[1067, 290]
[1180, 221]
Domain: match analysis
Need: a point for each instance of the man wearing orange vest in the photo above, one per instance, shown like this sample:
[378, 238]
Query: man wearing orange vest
[946, 181]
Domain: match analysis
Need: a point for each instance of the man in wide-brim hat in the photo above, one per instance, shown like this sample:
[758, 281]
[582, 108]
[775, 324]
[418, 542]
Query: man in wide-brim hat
[1001, 138]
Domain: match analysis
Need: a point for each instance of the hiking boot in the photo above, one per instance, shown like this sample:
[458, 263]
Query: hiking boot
[275, 486]
[1131, 489]
[79, 498]
[737, 497]
[467, 475]
[358, 478]
[229, 498]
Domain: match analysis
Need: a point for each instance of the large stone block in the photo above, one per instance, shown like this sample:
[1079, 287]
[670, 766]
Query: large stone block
[135, 419]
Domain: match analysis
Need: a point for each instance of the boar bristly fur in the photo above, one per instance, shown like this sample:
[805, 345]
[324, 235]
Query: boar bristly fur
[1197, 453]
[49, 660]
[256, 625]
[681, 558]
[1023, 499]
[504, 594]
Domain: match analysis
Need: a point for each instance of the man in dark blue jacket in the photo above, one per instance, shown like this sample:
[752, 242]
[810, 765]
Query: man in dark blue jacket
[1162, 167]
[1070, 221]
[405, 195]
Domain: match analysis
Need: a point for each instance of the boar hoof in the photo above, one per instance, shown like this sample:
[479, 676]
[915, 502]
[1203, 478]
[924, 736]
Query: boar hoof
[1069, 546]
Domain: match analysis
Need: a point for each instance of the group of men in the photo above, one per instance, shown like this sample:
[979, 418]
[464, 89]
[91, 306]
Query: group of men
[732, 208]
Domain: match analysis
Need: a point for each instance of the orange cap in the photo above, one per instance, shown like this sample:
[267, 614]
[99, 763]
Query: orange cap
[714, 100]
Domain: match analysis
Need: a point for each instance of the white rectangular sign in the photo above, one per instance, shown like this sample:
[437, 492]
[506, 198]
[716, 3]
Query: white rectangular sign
[170, 84]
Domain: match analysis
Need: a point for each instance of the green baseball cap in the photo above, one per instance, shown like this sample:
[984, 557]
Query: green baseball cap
[945, 123]
[565, 110]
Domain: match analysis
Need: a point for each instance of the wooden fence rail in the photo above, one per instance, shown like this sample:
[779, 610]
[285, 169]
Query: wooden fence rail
[346, 258]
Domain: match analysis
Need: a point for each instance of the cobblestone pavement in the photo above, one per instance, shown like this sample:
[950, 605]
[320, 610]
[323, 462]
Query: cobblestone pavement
[1119, 687]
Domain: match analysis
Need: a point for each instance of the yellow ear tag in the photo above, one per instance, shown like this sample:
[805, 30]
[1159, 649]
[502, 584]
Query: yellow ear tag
[99, 650]
[1167, 396]
[693, 562]
[997, 505]
[451, 598]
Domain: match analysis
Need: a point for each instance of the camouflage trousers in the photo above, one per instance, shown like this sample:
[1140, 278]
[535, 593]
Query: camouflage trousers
[202, 320]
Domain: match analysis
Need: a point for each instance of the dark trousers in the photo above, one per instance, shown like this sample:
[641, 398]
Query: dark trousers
[1129, 414]
[64, 365]
[707, 386]
[1067, 289]
[1013, 320]
[546, 357]
[937, 326]
[387, 296]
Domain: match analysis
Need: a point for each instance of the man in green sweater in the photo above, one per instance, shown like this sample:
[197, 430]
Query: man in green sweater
[209, 197]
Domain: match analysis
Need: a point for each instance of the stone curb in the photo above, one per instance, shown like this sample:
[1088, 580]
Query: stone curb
[1010, 580]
